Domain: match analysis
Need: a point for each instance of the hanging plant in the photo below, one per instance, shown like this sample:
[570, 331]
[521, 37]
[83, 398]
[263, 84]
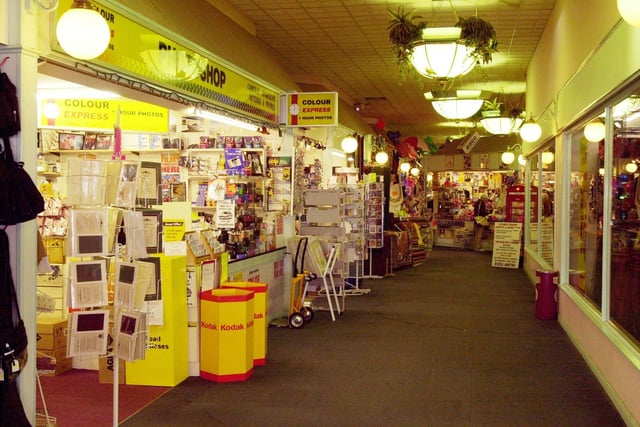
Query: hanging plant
[479, 35]
[491, 108]
[403, 32]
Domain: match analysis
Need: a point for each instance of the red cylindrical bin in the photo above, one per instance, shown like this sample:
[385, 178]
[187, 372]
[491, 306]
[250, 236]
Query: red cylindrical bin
[546, 295]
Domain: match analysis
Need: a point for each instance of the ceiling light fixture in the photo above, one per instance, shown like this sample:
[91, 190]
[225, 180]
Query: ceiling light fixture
[501, 125]
[594, 131]
[509, 155]
[530, 131]
[456, 104]
[224, 119]
[630, 11]
[547, 157]
[349, 144]
[441, 54]
[382, 157]
[631, 167]
[82, 32]
[405, 167]
[414, 171]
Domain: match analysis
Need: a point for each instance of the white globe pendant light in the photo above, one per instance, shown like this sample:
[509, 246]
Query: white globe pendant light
[82, 32]
[507, 157]
[349, 144]
[594, 131]
[530, 131]
[630, 11]
[382, 157]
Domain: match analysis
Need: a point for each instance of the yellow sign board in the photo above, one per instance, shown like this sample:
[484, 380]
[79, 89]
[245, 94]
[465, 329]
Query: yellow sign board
[92, 113]
[312, 109]
[138, 51]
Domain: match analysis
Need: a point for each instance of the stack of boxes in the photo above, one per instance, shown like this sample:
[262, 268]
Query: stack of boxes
[51, 346]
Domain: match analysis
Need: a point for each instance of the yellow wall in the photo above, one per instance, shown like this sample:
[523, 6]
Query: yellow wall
[573, 38]
[222, 36]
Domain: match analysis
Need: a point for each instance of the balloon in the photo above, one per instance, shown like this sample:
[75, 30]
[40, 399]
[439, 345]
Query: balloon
[412, 141]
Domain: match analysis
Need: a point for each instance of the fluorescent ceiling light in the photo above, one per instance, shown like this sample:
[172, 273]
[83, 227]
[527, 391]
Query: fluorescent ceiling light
[226, 120]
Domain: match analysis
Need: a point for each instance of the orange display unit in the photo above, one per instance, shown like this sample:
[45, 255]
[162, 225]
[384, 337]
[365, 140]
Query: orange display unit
[260, 324]
[226, 334]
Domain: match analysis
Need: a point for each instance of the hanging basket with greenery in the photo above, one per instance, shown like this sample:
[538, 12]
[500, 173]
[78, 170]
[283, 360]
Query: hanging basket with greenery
[480, 36]
[405, 30]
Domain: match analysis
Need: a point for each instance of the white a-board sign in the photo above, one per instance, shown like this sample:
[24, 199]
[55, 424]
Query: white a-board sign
[506, 244]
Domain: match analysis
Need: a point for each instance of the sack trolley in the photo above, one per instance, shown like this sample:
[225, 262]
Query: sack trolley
[299, 313]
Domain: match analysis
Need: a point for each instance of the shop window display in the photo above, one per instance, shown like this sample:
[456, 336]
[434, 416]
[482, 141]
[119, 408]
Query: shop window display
[625, 228]
[586, 208]
[589, 219]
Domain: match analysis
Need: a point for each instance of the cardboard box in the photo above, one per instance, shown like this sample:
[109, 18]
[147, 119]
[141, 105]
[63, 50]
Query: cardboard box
[53, 362]
[51, 333]
[50, 342]
[50, 367]
[105, 370]
[51, 326]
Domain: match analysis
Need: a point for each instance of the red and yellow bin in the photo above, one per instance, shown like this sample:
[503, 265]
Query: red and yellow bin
[260, 324]
[226, 334]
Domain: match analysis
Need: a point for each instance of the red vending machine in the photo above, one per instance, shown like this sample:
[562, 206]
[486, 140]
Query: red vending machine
[516, 205]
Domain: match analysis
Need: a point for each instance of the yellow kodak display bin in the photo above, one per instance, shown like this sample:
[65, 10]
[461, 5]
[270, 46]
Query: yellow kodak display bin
[260, 323]
[226, 335]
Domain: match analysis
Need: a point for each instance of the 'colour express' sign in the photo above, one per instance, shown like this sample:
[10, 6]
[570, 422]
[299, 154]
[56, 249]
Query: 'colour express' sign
[312, 109]
[90, 113]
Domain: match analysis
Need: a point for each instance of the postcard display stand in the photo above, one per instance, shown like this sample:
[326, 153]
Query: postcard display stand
[374, 217]
[146, 289]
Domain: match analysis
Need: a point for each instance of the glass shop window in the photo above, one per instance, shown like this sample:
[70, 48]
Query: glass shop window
[625, 222]
[542, 210]
[585, 211]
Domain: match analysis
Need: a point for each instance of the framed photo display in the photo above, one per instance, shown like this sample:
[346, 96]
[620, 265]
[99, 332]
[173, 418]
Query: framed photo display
[152, 221]
[149, 188]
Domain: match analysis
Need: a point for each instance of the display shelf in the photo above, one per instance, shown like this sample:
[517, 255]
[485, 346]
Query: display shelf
[374, 214]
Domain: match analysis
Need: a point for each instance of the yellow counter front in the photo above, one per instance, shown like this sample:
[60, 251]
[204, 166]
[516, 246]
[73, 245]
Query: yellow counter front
[166, 362]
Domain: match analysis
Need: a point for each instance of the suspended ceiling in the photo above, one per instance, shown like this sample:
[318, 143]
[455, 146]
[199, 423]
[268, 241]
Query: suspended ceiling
[343, 46]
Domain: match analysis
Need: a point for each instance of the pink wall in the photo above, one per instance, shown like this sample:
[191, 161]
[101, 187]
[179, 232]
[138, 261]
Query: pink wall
[613, 368]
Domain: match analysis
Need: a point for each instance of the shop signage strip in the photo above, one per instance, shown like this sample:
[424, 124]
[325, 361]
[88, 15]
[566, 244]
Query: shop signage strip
[101, 114]
[137, 50]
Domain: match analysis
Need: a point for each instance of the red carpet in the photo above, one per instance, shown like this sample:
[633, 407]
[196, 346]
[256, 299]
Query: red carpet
[76, 398]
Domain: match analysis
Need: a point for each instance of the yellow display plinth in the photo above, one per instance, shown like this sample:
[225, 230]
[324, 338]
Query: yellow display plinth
[226, 334]
[166, 361]
[260, 323]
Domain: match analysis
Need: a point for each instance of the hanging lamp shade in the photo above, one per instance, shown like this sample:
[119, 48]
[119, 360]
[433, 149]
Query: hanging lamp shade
[630, 11]
[82, 32]
[441, 54]
[501, 125]
[456, 104]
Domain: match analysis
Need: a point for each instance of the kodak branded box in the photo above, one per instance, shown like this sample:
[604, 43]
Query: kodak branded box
[226, 334]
